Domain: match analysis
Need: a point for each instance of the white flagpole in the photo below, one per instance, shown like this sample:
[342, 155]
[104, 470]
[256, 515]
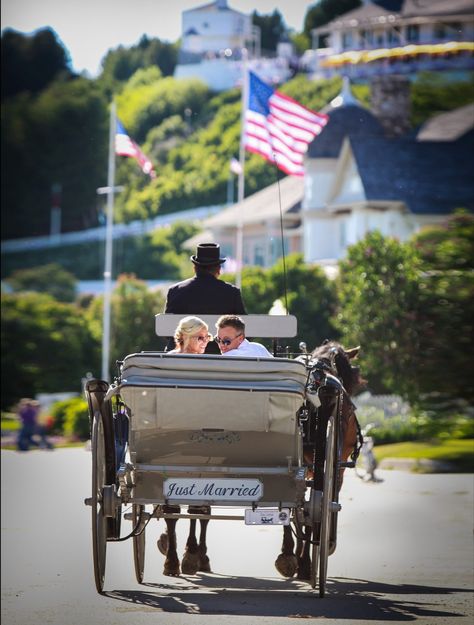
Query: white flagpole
[241, 185]
[108, 245]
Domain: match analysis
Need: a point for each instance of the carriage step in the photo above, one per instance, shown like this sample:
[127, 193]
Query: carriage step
[347, 465]
[131, 517]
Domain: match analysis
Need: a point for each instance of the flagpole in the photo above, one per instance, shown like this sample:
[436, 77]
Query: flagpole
[108, 245]
[241, 181]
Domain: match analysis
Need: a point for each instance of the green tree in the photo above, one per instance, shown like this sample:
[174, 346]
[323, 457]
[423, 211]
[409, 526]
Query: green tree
[446, 308]
[31, 62]
[121, 63]
[310, 296]
[432, 94]
[51, 278]
[70, 120]
[47, 347]
[378, 288]
[133, 310]
[325, 11]
[272, 27]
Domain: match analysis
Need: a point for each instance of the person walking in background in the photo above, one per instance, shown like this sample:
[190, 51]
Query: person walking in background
[28, 413]
[205, 293]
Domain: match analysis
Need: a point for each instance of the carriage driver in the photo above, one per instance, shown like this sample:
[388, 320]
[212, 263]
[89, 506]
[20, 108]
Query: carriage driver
[232, 342]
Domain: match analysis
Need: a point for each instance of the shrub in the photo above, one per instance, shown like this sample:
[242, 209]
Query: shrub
[76, 421]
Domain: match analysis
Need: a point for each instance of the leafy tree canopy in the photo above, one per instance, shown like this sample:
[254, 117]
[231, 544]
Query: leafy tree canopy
[325, 11]
[121, 63]
[378, 293]
[56, 137]
[272, 27]
[31, 62]
[51, 278]
[133, 310]
[47, 347]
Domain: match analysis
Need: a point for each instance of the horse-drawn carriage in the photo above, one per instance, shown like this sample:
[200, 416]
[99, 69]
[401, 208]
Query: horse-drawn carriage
[269, 435]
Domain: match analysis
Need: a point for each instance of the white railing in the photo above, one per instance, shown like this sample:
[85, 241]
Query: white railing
[133, 228]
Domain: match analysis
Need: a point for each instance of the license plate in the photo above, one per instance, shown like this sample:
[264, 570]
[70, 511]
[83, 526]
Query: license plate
[210, 489]
[267, 516]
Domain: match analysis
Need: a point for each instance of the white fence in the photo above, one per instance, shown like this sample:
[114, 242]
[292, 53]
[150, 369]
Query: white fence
[133, 228]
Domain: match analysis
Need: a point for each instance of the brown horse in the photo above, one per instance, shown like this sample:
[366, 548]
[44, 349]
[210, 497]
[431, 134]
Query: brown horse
[195, 556]
[337, 359]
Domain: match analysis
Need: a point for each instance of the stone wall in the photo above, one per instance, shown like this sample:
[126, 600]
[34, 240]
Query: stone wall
[390, 103]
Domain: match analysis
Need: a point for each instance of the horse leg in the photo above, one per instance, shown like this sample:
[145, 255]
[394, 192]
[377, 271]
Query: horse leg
[303, 555]
[171, 566]
[190, 563]
[204, 563]
[286, 563]
[349, 442]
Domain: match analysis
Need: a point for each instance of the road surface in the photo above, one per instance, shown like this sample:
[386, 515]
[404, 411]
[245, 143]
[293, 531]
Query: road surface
[405, 554]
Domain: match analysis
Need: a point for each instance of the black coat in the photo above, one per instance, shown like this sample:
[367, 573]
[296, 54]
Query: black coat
[204, 294]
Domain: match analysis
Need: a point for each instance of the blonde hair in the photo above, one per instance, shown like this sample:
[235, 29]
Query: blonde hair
[187, 327]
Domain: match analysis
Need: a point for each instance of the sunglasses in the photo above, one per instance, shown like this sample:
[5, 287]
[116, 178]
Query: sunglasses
[226, 342]
[203, 339]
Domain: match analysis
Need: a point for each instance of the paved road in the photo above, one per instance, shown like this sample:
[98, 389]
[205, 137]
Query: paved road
[405, 554]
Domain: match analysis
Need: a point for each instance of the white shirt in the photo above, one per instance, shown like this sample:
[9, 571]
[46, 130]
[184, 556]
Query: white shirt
[249, 349]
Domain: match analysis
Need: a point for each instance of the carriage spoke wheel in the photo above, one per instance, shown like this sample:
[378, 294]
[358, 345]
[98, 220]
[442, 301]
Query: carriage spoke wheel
[99, 520]
[327, 499]
[139, 542]
[315, 538]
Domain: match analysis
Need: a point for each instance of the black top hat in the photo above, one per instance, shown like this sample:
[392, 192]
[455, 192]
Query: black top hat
[208, 254]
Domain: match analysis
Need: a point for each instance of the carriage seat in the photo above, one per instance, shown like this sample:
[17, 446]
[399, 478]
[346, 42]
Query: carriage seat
[200, 409]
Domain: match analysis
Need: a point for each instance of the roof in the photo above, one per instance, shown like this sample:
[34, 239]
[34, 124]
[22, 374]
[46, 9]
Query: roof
[401, 8]
[263, 205]
[343, 121]
[448, 126]
[218, 5]
[430, 177]
[364, 13]
[425, 8]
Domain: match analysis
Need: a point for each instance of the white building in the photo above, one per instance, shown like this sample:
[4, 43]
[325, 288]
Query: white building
[212, 28]
[396, 36]
[213, 37]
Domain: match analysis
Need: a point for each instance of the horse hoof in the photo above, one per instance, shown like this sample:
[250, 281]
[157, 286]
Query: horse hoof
[204, 564]
[162, 544]
[304, 571]
[190, 563]
[171, 568]
[286, 565]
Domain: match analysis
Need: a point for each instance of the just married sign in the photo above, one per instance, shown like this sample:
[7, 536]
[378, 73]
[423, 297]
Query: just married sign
[210, 489]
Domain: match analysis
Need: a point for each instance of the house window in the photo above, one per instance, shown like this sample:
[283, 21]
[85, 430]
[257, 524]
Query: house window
[347, 40]
[393, 36]
[259, 256]
[342, 234]
[413, 33]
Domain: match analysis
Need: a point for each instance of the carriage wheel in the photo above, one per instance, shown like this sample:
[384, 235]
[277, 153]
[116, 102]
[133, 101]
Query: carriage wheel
[99, 520]
[313, 580]
[326, 512]
[138, 543]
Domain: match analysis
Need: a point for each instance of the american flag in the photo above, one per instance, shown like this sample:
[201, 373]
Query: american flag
[124, 146]
[278, 127]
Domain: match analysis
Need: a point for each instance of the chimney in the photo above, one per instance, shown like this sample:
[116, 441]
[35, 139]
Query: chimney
[390, 103]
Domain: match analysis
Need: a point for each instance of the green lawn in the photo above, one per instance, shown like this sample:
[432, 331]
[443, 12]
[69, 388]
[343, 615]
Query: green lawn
[458, 451]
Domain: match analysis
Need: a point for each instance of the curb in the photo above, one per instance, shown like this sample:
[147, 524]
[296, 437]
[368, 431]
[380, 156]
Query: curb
[422, 465]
